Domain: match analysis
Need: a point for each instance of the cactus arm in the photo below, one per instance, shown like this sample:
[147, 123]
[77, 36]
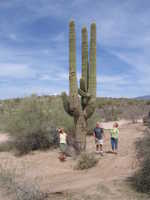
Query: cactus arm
[66, 103]
[82, 84]
[85, 56]
[73, 86]
[90, 108]
[73, 90]
[92, 62]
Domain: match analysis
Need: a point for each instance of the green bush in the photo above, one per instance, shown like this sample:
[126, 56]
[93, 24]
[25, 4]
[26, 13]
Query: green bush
[33, 121]
[86, 160]
[31, 126]
[141, 179]
[34, 141]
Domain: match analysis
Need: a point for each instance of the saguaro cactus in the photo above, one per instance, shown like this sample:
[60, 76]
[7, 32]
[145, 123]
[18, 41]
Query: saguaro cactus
[81, 108]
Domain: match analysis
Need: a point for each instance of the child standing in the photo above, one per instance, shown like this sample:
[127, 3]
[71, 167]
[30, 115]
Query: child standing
[62, 143]
[98, 133]
[114, 138]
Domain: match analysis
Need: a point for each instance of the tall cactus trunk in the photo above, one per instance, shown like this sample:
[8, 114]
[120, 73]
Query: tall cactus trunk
[79, 120]
[80, 133]
[81, 108]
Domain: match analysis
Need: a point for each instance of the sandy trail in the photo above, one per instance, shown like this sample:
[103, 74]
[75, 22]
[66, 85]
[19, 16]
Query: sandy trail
[107, 177]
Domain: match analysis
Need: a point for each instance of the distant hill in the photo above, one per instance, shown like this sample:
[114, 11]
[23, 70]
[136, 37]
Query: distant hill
[147, 97]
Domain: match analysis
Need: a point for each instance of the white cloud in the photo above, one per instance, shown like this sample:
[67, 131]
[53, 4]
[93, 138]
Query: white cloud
[18, 91]
[19, 71]
[54, 76]
[140, 61]
[112, 79]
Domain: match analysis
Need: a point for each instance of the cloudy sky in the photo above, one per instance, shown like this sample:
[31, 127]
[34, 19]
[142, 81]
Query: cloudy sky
[34, 45]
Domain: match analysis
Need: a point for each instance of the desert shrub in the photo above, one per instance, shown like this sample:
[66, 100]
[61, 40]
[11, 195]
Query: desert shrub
[31, 126]
[34, 141]
[111, 113]
[148, 102]
[86, 160]
[6, 146]
[19, 190]
[141, 179]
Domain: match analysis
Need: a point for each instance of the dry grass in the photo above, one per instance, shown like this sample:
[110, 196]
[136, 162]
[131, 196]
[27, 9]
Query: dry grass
[141, 179]
[19, 190]
[86, 161]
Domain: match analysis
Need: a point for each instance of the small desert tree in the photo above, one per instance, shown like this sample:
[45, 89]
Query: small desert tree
[81, 102]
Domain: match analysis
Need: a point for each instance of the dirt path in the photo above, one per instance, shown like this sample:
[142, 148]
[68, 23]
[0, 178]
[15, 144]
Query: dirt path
[110, 167]
[107, 179]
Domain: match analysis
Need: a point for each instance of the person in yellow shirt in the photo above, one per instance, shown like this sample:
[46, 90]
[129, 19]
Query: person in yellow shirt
[62, 144]
[114, 132]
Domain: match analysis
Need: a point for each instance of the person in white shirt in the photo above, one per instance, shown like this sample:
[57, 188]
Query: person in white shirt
[62, 143]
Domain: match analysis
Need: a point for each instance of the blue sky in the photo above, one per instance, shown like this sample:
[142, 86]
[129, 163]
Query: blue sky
[34, 45]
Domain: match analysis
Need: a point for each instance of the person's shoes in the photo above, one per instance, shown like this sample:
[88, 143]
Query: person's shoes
[96, 151]
[101, 153]
[62, 158]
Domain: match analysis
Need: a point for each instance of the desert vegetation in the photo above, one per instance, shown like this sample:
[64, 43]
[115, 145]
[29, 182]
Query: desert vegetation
[32, 121]
[17, 189]
[141, 179]
[86, 161]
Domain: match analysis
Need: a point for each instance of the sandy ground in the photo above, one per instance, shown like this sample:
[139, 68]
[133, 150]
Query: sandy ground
[105, 181]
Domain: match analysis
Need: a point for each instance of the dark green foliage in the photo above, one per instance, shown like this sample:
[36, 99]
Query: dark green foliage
[35, 141]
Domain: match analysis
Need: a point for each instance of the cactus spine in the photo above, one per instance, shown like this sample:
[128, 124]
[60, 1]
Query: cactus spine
[81, 108]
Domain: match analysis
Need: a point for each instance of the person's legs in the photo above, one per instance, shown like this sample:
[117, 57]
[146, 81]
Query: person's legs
[97, 147]
[62, 156]
[101, 150]
[116, 145]
[101, 145]
[113, 144]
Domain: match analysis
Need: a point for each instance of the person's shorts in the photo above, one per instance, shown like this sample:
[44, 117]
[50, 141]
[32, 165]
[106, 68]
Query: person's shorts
[63, 147]
[97, 141]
